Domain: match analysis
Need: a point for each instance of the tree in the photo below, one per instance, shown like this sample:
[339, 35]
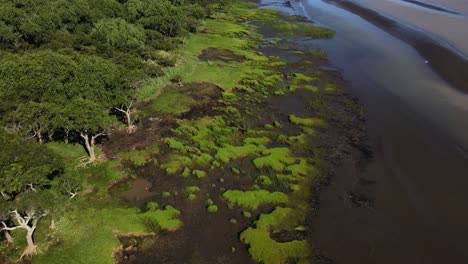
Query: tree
[90, 119]
[25, 212]
[118, 34]
[25, 165]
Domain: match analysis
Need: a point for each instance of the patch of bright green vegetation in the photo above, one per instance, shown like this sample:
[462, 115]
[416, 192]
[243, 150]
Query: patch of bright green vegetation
[265, 180]
[253, 199]
[173, 163]
[212, 208]
[71, 153]
[165, 219]
[192, 189]
[88, 234]
[302, 29]
[246, 214]
[209, 201]
[275, 158]
[297, 78]
[172, 102]
[200, 174]
[228, 152]
[186, 172]
[314, 122]
[191, 197]
[203, 159]
[263, 249]
[165, 194]
[124, 186]
[330, 88]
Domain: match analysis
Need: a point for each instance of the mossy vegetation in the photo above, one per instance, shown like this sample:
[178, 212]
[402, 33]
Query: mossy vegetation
[253, 199]
[264, 249]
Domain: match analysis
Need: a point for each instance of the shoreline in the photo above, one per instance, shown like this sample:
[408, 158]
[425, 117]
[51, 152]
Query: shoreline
[446, 61]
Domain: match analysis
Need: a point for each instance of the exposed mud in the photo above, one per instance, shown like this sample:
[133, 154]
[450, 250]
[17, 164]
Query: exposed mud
[157, 125]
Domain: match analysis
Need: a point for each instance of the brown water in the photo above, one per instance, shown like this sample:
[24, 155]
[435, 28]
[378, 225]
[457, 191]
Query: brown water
[417, 181]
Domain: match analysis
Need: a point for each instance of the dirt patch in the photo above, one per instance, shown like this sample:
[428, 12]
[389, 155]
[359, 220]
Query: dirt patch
[157, 125]
[215, 54]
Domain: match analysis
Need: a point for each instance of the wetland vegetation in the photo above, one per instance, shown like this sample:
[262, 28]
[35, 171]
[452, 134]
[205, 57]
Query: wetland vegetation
[164, 131]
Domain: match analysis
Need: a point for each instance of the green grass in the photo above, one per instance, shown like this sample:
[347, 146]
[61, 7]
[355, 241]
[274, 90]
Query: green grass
[87, 235]
[172, 102]
[212, 208]
[313, 122]
[253, 199]
[229, 153]
[275, 159]
[263, 249]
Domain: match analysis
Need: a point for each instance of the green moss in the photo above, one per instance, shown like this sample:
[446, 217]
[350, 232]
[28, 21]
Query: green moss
[209, 201]
[165, 194]
[300, 169]
[173, 163]
[124, 186]
[246, 214]
[257, 141]
[203, 159]
[235, 170]
[330, 88]
[165, 219]
[186, 172]
[315, 122]
[228, 152]
[263, 249]
[191, 197]
[172, 102]
[138, 158]
[277, 124]
[215, 164]
[230, 97]
[174, 143]
[265, 180]
[152, 206]
[301, 29]
[192, 189]
[233, 221]
[268, 126]
[200, 174]
[298, 78]
[212, 208]
[253, 199]
[276, 159]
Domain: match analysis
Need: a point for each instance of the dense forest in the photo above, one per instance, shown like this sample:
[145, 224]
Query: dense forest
[69, 71]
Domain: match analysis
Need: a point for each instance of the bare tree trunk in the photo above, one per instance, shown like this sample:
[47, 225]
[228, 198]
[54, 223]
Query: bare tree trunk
[127, 110]
[67, 132]
[30, 249]
[39, 136]
[52, 224]
[89, 144]
[8, 237]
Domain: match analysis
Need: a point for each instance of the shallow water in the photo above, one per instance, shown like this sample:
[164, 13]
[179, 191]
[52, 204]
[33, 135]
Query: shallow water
[418, 130]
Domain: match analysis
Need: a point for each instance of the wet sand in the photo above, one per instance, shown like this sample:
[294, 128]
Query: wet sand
[435, 17]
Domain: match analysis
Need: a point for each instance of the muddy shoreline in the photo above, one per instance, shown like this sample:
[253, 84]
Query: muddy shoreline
[445, 61]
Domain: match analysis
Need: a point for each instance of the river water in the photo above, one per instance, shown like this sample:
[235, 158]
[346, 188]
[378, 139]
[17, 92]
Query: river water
[417, 181]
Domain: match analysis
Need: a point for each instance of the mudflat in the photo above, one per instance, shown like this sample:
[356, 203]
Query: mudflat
[446, 20]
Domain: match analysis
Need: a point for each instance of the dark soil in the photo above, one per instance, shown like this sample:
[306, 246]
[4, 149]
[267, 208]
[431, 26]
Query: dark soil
[215, 54]
[157, 125]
